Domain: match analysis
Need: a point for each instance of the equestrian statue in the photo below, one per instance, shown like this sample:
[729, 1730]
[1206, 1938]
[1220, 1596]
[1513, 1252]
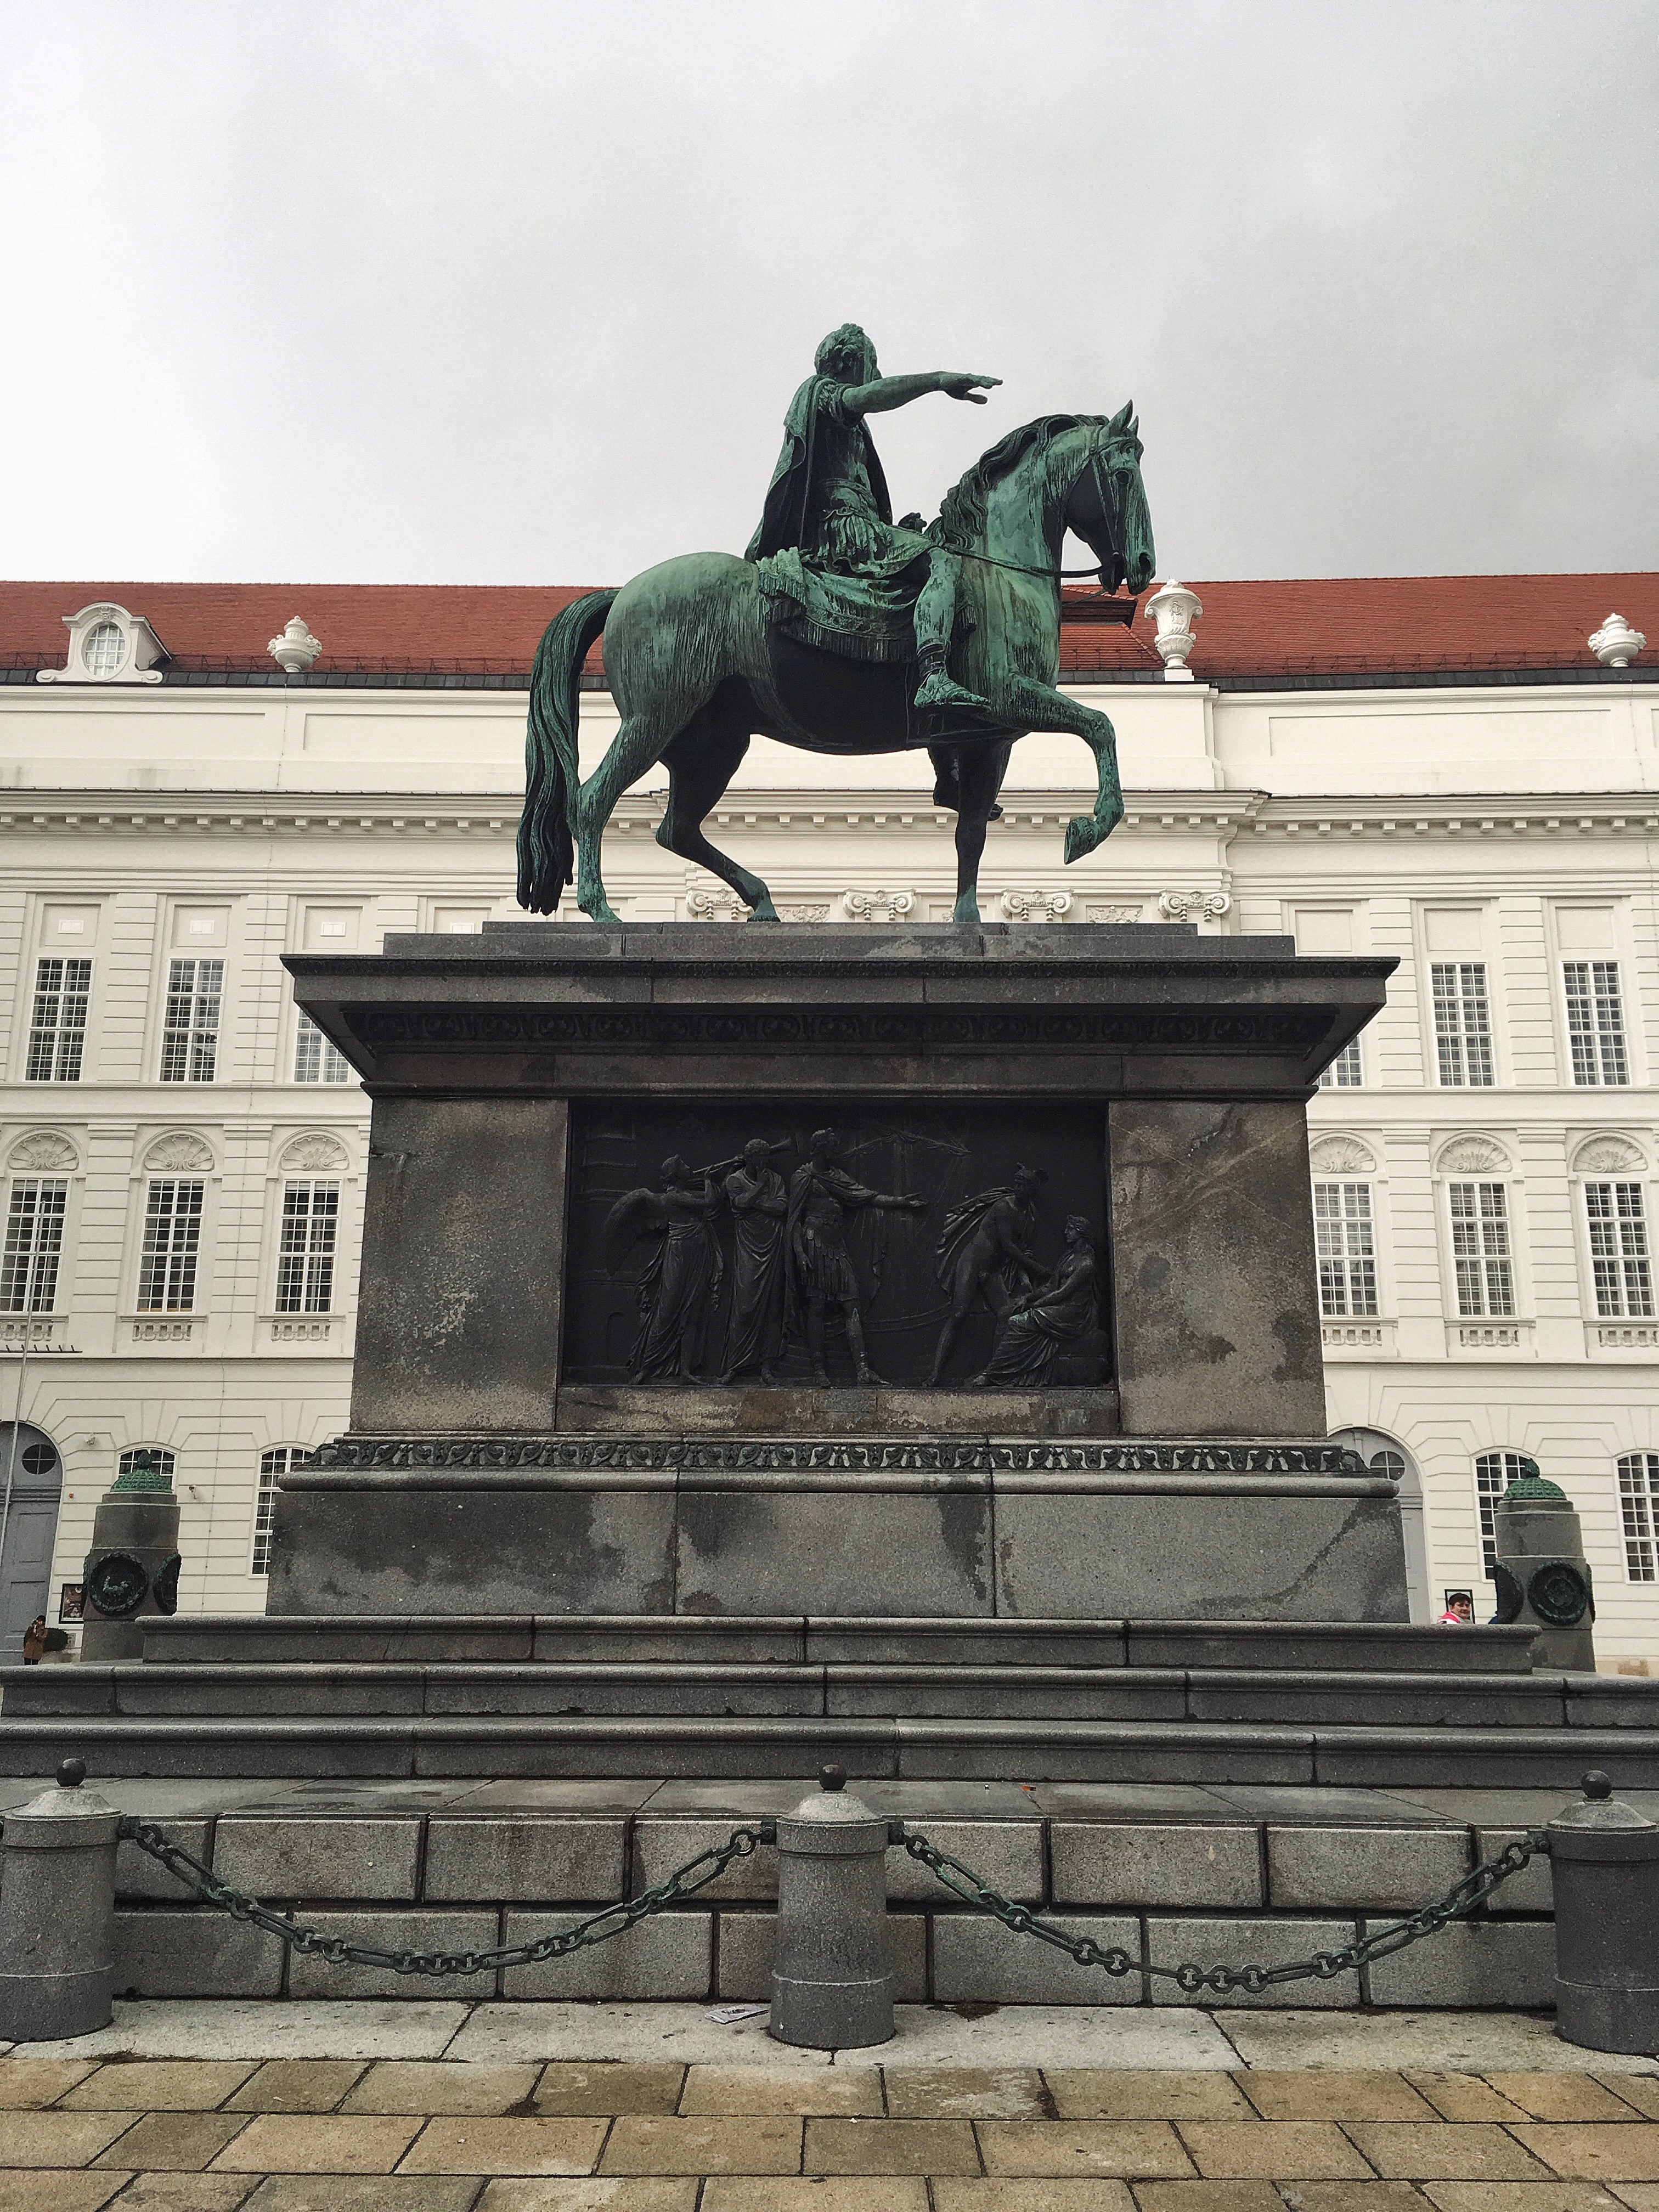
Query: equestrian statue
[842, 631]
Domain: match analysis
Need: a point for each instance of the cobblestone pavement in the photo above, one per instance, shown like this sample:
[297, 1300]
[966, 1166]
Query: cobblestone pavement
[353, 2134]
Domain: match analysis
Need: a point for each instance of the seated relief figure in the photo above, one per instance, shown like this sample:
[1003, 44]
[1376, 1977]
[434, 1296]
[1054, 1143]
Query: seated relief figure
[1050, 1317]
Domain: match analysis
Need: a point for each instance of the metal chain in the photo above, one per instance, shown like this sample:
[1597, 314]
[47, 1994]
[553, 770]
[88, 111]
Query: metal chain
[1459, 1901]
[615, 1919]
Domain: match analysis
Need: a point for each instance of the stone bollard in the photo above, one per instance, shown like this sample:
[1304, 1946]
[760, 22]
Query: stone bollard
[133, 1568]
[832, 1982]
[57, 1912]
[1604, 1859]
[1541, 1575]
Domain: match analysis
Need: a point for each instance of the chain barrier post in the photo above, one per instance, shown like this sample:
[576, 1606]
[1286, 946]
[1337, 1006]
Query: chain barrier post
[832, 1981]
[1606, 1861]
[57, 1912]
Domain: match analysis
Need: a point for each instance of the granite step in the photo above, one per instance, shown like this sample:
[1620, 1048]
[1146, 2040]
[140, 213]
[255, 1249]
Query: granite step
[717, 1747]
[1292, 1696]
[213, 1639]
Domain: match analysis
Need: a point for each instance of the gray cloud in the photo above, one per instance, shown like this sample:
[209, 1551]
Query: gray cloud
[517, 292]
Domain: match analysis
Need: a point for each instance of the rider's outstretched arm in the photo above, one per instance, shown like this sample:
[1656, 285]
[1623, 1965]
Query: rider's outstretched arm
[890, 392]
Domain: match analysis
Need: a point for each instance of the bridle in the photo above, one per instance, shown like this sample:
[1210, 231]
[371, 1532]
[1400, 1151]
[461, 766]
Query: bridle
[1095, 568]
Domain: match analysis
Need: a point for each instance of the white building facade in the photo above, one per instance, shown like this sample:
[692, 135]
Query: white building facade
[183, 1156]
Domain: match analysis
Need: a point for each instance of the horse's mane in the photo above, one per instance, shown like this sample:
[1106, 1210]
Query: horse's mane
[963, 510]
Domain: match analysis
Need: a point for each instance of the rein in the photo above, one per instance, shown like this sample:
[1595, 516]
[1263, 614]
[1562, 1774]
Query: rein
[1019, 566]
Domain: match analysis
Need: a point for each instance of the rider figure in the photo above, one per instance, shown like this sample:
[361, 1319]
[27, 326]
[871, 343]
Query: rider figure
[828, 497]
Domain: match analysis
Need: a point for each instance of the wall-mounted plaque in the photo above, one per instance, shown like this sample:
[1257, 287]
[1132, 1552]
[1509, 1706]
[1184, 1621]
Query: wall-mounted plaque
[737, 1240]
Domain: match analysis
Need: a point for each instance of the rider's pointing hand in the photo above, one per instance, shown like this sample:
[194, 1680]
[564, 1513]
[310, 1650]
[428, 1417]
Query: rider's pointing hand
[961, 385]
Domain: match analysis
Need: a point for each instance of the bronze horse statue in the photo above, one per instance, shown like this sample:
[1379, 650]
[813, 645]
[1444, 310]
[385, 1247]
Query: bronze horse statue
[698, 666]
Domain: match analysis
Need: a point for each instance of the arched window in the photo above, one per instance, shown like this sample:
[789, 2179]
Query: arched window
[273, 1466]
[1494, 1471]
[104, 650]
[156, 1456]
[1639, 1503]
[1382, 1455]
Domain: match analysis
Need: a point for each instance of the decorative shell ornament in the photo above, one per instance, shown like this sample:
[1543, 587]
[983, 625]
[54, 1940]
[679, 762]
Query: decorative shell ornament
[295, 650]
[1615, 645]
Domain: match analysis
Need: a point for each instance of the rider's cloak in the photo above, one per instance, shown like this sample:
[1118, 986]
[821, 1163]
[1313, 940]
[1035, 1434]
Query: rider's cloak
[795, 491]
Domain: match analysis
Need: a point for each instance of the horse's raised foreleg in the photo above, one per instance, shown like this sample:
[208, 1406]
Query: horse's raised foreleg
[702, 761]
[979, 770]
[1039, 706]
[641, 741]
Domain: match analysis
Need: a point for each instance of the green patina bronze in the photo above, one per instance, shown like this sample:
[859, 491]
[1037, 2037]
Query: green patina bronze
[143, 1475]
[844, 632]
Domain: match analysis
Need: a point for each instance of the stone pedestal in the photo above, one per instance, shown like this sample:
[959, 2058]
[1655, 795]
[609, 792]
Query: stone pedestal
[529, 1084]
[131, 1572]
[1541, 1575]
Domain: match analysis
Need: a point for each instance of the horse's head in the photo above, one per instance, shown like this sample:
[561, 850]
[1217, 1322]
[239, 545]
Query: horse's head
[1107, 505]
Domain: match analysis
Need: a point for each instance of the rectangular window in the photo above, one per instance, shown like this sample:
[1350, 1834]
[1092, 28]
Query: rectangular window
[1618, 1250]
[57, 1025]
[1463, 1023]
[1596, 1022]
[305, 1262]
[1347, 1255]
[1494, 1471]
[1480, 1249]
[273, 1466]
[35, 1243]
[1345, 1072]
[1638, 1502]
[190, 1034]
[173, 1238]
[315, 1059]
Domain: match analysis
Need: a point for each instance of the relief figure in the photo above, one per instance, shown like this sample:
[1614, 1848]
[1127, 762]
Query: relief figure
[821, 1274]
[679, 1287]
[1049, 1317]
[760, 1208]
[985, 1252]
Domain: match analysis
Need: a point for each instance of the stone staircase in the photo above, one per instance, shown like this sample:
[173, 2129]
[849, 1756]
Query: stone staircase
[714, 1696]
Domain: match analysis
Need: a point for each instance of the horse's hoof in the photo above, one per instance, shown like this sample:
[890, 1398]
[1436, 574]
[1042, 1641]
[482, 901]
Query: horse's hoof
[764, 912]
[602, 912]
[966, 914]
[1083, 834]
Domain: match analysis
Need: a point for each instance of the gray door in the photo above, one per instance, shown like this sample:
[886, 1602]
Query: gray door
[31, 1533]
[1384, 1455]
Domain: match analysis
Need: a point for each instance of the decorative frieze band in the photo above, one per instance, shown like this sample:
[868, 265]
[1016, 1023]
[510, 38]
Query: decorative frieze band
[738, 1455]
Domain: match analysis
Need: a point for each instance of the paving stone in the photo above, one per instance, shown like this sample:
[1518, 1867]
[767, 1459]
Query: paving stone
[860, 2193]
[53, 2190]
[638, 2144]
[1083, 2148]
[998, 2194]
[187, 2192]
[1496, 1962]
[1007, 1853]
[1326, 1869]
[1638, 2089]
[978, 1960]
[915, 2147]
[971, 2092]
[608, 2088]
[430, 2086]
[1363, 2196]
[140, 1877]
[195, 1954]
[1252, 1942]
[523, 1861]
[754, 2092]
[317, 2143]
[1639, 2195]
[255, 2027]
[297, 2085]
[59, 2138]
[1082, 2093]
[1562, 2097]
[503, 2146]
[1340, 2094]
[1463, 2097]
[1407, 2150]
[344, 2192]
[159, 2085]
[1237, 2195]
[748, 1944]
[662, 1845]
[1153, 1866]
[176, 2142]
[1426, 2042]
[1281, 2150]
[1594, 2152]
[27, 2084]
[1525, 2197]
[313, 1856]
[670, 1955]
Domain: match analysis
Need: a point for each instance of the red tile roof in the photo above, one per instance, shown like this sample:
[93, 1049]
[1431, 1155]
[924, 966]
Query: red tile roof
[1314, 626]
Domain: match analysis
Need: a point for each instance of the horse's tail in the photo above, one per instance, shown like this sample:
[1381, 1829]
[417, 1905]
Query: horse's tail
[547, 852]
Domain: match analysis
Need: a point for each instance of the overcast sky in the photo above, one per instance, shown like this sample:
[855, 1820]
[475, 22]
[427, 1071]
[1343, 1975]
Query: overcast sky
[518, 293]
